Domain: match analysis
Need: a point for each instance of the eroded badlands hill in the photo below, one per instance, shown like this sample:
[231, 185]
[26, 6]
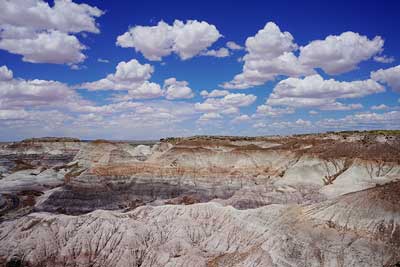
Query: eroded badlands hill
[314, 200]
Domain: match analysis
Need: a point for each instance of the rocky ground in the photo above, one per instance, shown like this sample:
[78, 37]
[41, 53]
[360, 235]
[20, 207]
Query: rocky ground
[310, 200]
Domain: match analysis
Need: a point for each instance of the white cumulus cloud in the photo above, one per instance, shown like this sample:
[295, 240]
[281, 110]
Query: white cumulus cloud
[210, 116]
[269, 54]
[366, 120]
[177, 89]
[241, 119]
[185, 39]
[340, 53]
[5, 73]
[390, 76]
[20, 93]
[46, 47]
[379, 107]
[44, 34]
[103, 60]
[272, 111]
[229, 104]
[272, 52]
[314, 91]
[128, 76]
[214, 93]
[222, 52]
[384, 59]
[65, 15]
[233, 46]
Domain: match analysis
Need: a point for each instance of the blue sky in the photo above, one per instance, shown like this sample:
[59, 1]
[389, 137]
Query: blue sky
[129, 70]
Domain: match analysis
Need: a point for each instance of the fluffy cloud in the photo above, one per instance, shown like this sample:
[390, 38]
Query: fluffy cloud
[103, 60]
[5, 74]
[145, 90]
[257, 72]
[43, 34]
[33, 121]
[302, 122]
[241, 119]
[271, 111]
[389, 76]
[340, 53]
[144, 113]
[269, 43]
[46, 47]
[238, 100]
[233, 46]
[338, 106]
[269, 54]
[367, 120]
[222, 52]
[113, 108]
[65, 15]
[214, 93]
[132, 72]
[12, 114]
[380, 107]
[128, 76]
[27, 97]
[156, 118]
[298, 124]
[117, 120]
[384, 59]
[314, 91]
[177, 89]
[228, 104]
[210, 116]
[133, 77]
[26, 104]
[185, 39]
[20, 93]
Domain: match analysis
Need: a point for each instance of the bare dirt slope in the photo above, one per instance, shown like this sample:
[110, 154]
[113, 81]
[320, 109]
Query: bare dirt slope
[312, 200]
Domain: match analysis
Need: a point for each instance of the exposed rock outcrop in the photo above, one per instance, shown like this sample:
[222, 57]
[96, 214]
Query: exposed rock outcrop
[311, 200]
[331, 233]
[236, 172]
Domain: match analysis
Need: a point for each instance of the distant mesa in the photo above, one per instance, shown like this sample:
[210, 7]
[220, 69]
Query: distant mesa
[50, 139]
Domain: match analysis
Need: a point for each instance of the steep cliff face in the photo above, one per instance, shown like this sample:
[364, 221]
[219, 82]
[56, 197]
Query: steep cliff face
[317, 200]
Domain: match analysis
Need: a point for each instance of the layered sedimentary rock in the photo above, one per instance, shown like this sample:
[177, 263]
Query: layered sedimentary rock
[339, 232]
[314, 200]
[36, 153]
[234, 172]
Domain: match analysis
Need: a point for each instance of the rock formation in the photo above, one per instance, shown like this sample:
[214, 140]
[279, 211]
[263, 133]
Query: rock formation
[312, 200]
